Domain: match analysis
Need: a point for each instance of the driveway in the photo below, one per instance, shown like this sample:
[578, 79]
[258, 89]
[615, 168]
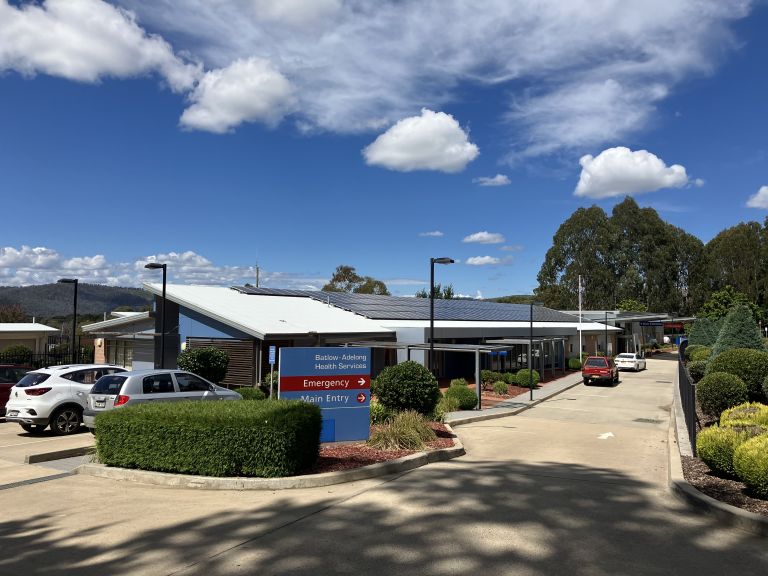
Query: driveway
[576, 485]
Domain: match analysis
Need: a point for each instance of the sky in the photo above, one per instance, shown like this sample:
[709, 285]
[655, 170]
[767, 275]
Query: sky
[299, 135]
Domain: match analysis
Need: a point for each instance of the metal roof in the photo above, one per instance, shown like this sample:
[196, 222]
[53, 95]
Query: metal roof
[25, 327]
[133, 318]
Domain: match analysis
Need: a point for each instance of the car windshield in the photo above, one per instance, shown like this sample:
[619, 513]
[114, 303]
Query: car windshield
[596, 362]
[108, 385]
[628, 356]
[32, 379]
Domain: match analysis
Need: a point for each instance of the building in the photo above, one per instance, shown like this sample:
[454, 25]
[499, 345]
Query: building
[246, 321]
[30, 334]
[124, 340]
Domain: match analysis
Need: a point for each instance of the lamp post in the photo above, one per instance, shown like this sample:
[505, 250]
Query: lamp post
[74, 314]
[157, 266]
[606, 333]
[530, 352]
[432, 262]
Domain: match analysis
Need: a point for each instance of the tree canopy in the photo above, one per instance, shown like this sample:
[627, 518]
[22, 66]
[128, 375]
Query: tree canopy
[346, 279]
[442, 292]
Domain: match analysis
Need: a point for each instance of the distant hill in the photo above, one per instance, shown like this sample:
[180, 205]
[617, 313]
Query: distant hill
[50, 300]
[513, 299]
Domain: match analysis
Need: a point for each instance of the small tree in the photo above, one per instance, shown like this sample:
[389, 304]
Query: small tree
[210, 363]
[407, 386]
[739, 331]
[632, 305]
[704, 332]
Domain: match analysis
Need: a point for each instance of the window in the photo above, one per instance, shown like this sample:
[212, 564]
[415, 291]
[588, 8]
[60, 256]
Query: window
[85, 376]
[32, 379]
[108, 385]
[158, 384]
[596, 362]
[191, 383]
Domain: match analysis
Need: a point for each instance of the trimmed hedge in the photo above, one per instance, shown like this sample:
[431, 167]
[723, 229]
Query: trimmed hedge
[464, 396]
[719, 391]
[701, 354]
[754, 412]
[251, 393]
[715, 446]
[210, 363]
[524, 378]
[748, 364]
[509, 378]
[500, 387]
[750, 461]
[574, 364]
[697, 369]
[691, 348]
[265, 439]
[407, 386]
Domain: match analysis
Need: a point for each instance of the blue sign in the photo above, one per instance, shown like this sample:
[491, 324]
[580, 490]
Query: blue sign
[272, 350]
[337, 380]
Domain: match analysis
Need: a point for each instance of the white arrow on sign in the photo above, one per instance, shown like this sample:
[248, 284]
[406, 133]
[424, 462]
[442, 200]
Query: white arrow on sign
[361, 381]
[606, 436]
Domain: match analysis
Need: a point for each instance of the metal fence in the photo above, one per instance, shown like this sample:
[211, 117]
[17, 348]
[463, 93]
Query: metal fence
[47, 358]
[688, 398]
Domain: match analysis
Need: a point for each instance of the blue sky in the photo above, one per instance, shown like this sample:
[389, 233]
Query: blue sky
[299, 135]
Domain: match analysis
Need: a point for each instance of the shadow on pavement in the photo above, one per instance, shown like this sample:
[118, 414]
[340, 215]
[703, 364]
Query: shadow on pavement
[461, 517]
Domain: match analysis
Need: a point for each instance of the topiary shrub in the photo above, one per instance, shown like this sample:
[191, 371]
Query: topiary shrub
[715, 446]
[251, 393]
[702, 354]
[696, 369]
[719, 391]
[753, 412]
[458, 382]
[574, 364]
[408, 386]
[445, 405]
[690, 349]
[750, 462]
[16, 354]
[739, 331]
[277, 438]
[500, 387]
[407, 430]
[509, 378]
[464, 396]
[748, 364]
[703, 332]
[524, 378]
[210, 363]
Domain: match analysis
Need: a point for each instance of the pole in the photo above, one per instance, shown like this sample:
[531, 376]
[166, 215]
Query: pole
[580, 303]
[530, 356]
[432, 315]
[74, 326]
[162, 323]
[606, 333]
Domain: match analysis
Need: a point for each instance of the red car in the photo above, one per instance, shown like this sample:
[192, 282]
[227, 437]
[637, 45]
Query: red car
[599, 368]
[10, 374]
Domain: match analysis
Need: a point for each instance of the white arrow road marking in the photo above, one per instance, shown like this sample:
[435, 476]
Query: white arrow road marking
[606, 436]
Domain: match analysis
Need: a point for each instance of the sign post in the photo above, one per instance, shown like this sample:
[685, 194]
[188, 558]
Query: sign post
[272, 350]
[338, 380]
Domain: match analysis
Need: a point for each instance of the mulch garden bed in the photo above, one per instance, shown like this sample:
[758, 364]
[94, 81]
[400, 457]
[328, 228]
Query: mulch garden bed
[335, 457]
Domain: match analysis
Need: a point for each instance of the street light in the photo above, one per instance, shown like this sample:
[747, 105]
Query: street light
[157, 266]
[432, 262]
[74, 313]
[530, 352]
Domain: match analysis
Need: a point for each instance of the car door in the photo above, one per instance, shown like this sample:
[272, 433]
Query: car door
[193, 387]
[159, 388]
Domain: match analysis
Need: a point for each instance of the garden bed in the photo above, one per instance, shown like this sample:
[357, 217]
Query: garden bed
[729, 491]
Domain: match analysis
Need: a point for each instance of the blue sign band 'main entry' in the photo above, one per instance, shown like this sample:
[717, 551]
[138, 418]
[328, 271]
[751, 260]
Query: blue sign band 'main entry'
[345, 409]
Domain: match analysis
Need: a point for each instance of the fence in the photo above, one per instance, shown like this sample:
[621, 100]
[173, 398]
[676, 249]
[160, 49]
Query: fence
[688, 398]
[46, 358]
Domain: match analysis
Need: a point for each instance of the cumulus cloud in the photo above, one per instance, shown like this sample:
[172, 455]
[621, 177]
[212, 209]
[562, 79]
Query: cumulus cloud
[483, 260]
[498, 180]
[620, 171]
[85, 40]
[432, 141]
[249, 90]
[760, 199]
[485, 237]
[432, 234]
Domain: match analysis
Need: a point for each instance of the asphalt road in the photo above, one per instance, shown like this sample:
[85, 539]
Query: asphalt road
[576, 485]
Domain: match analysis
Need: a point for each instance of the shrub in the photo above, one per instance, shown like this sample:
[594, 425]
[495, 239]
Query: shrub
[500, 387]
[702, 354]
[750, 412]
[270, 381]
[719, 391]
[690, 349]
[408, 386]
[466, 397]
[210, 363]
[277, 438]
[444, 406]
[750, 462]
[251, 393]
[696, 369]
[17, 354]
[739, 331]
[574, 364]
[509, 378]
[486, 376]
[458, 382]
[765, 387]
[749, 365]
[379, 412]
[715, 446]
[703, 332]
[524, 378]
[407, 430]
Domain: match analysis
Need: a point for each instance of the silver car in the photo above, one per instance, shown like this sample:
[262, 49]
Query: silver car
[139, 386]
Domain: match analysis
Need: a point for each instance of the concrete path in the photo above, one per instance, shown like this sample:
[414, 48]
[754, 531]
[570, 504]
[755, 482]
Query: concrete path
[575, 485]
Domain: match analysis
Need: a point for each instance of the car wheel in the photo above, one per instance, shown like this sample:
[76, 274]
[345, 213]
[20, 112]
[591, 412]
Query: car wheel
[66, 421]
[587, 381]
[32, 428]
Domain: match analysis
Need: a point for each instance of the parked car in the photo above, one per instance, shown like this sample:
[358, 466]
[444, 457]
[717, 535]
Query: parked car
[10, 374]
[54, 396]
[138, 386]
[599, 368]
[630, 361]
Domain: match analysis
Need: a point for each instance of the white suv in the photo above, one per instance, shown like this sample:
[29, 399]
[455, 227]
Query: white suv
[56, 395]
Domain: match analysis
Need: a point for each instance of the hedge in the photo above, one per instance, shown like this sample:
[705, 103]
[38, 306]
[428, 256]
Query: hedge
[739, 331]
[265, 439]
[697, 369]
[749, 411]
[715, 446]
[407, 386]
[701, 354]
[750, 461]
[719, 391]
[463, 395]
[210, 363]
[574, 364]
[524, 378]
[691, 348]
[251, 393]
[749, 365]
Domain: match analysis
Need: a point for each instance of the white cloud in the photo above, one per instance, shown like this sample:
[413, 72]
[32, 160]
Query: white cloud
[245, 91]
[699, 182]
[760, 199]
[432, 234]
[85, 40]
[485, 237]
[512, 248]
[619, 171]
[498, 180]
[432, 141]
[483, 260]
[296, 12]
